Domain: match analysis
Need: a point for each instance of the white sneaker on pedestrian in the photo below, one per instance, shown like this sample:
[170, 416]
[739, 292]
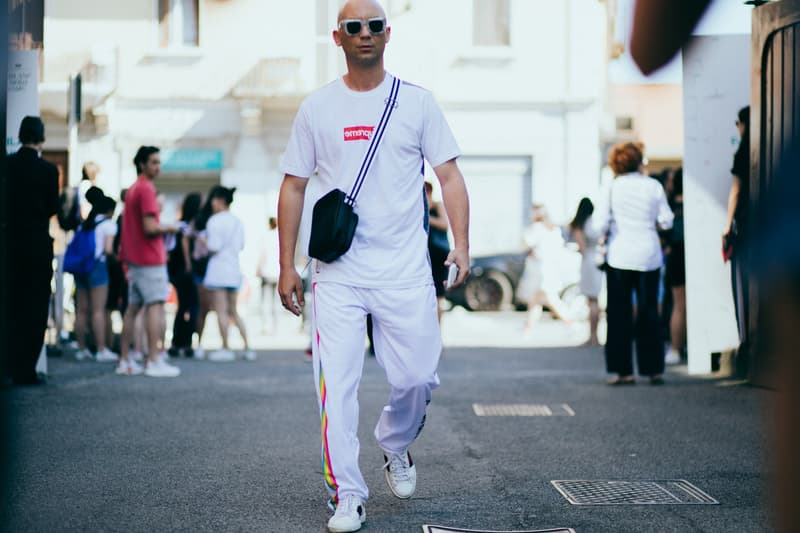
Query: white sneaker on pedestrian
[199, 353]
[401, 474]
[128, 368]
[161, 369]
[135, 355]
[249, 355]
[106, 356]
[84, 355]
[221, 356]
[673, 357]
[349, 516]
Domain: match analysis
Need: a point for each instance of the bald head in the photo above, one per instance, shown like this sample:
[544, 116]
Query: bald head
[360, 9]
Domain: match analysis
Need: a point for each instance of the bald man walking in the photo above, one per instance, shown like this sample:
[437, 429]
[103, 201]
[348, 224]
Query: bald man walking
[386, 271]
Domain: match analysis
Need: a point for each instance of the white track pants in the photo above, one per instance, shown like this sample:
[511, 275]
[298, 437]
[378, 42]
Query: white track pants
[407, 346]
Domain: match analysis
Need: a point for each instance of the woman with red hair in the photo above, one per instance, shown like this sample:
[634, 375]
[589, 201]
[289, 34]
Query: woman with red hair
[636, 208]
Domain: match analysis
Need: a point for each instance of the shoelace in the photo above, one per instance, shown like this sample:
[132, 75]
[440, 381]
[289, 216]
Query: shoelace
[349, 504]
[398, 466]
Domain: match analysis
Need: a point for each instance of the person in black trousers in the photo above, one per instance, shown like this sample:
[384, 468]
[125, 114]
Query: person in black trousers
[636, 207]
[32, 201]
[179, 267]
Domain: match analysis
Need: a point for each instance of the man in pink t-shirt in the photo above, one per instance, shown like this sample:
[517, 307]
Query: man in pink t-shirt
[142, 250]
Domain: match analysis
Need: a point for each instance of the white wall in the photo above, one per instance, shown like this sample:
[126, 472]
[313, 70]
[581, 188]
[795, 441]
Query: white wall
[716, 85]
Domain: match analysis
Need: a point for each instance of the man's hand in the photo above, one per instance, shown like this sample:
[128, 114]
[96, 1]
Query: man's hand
[461, 259]
[290, 285]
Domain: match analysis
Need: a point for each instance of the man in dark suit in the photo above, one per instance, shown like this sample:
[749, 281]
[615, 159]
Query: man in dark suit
[32, 201]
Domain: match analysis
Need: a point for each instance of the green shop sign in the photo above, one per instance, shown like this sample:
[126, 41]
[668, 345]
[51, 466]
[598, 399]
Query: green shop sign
[193, 160]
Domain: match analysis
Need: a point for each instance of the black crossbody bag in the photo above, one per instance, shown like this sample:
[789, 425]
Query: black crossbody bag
[333, 220]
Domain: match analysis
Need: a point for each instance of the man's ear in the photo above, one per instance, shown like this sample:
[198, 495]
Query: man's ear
[336, 38]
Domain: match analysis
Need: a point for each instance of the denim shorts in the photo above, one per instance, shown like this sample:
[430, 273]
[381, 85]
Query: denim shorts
[98, 277]
[216, 288]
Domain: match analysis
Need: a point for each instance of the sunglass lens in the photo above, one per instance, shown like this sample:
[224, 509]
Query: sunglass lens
[353, 27]
[376, 26]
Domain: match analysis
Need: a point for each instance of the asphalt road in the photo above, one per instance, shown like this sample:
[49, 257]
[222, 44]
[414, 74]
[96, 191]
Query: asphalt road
[235, 447]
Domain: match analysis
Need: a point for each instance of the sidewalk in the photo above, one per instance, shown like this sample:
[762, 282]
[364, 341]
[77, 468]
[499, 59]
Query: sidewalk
[235, 447]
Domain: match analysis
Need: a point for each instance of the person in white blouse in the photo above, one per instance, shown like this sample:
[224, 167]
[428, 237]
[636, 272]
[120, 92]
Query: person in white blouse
[224, 239]
[635, 209]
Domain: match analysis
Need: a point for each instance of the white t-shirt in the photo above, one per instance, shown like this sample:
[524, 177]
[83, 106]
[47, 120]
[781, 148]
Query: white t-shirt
[331, 134]
[225, 235]
[103, 229]
[268, 267]
[638, 207]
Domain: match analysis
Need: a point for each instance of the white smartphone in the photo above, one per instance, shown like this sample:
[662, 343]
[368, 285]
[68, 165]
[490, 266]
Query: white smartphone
[452, 274]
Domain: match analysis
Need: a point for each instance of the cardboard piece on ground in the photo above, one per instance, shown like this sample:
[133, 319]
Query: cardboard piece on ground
[446, 529]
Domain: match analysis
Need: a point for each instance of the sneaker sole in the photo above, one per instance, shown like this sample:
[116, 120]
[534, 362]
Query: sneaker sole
[349, 529]
[161, 375]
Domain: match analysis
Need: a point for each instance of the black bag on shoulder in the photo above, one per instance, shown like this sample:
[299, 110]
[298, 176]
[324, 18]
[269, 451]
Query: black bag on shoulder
[333, 225]
[334, 221]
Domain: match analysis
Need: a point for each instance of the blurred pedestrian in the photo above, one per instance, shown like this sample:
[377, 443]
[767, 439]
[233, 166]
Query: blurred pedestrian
[541, 279]
[117, 284]
[32, 201]
[675, 275]
[89, 174]
[179, 268]
[143, 251]
[635, 208]
[200, 257]
[268, 271]
[91, 288]
[225, 240]
[438, 245]
[386, 272]
[73, 204]
[585, 235]
[735, 236]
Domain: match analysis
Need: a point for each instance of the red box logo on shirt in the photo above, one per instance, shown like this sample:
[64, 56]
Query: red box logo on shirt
[358, 133]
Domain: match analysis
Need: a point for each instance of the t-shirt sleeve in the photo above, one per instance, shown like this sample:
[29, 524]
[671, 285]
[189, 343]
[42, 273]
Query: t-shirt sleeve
[149, 202]
[438, 143]
[300, 159]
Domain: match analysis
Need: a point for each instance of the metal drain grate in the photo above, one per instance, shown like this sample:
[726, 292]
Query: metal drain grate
[522, 409]
[609, 492]
[445, 529]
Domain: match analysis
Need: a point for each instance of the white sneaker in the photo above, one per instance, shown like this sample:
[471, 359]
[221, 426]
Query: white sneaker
[161, 369]
[136, 356]
[221, 356]
[84, 355]
[128, 368]
[349, 516]
[249, 355]
[673, 357]
[106, 356]
[401, 474]
[199, 354]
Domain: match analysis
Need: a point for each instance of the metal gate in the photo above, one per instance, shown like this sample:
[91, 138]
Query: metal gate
[775, 125]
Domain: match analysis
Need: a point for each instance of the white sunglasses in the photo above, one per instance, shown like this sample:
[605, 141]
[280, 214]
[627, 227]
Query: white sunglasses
[353, 27]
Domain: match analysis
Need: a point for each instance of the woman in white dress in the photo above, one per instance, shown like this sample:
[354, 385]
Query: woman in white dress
[586, 236]
[541, 280]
